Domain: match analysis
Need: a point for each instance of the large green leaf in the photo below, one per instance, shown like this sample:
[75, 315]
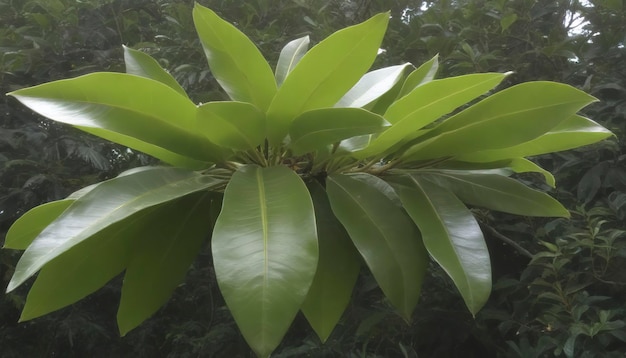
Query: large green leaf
[289, 57]
[132, 106]
[141, 64]
[106, 204]
[235, 62]
[384, 235]
[158, 263]
[235, 125]
[372, 85]
[497, 192]
[451, 235]
[265, 251]
[317, 128]
[510, 117]
[573, 132]
[427, 103]
[325, 73]
[423, 74]
[85, 267]
[337, 269]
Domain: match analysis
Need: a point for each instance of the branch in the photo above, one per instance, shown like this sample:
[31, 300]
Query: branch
[509, 241]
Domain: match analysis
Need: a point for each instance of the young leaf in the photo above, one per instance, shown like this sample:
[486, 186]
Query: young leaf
[510, 117]
[451, 236]
[235, 125]
[386, 238]
[141, 64]
[289, 57]
[499, 193]
[133, 106]
[235, 62]
[423, 74]
[159, 261]
[325, 73]
[317, 128]
[337, 269]
[372, 85]
[108, 203]
[265, 251]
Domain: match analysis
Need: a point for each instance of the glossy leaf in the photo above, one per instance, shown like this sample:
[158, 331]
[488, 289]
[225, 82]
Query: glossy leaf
[320, 127]
[423, 74]
[372, 85]
[235, 62]
[108, 203]
[235, 125]
[427, 103]
[499, 193]
[451, 236]
[510, 117]
[337, 269]
[289, 57]
[573, 132]
[521, 165]
[131, 106]
[325, 73]
[159, 261]
[85, 267]
[388, 241]
[265, 251]
[142, 64]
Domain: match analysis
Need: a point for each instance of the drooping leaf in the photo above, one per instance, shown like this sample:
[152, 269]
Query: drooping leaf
[378, 184]
[499, 193]
[384, 235]
[451, 236]
[235, 125]
[85, 267]
[111, 201]
[325, 73]
[427, 103]
[372, 85]
[133, 107]
[235, 62]
[423, 74]
[521, 165]
[289, 57]
[573, 132]
[265, 251]
[337, 268]
[319, 127]
[510, 117]
[142, 64]
[159, 261]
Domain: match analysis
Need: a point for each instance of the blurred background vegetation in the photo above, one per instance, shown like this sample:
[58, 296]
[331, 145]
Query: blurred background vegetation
[559, 285]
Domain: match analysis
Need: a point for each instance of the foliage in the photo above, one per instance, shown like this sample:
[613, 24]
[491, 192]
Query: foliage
[285, 157]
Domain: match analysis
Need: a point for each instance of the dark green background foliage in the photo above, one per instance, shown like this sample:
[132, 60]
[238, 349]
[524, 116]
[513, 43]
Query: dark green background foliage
[559, 286]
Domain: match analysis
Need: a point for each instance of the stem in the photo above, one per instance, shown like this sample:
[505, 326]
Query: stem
[509, 241]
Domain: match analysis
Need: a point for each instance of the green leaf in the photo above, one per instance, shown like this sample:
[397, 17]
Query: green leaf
[427, 103]
[337, 269]
[573, 132]
[85, 267]
[141, 64]
[106, 204]
[451, 236]
[521, 165]
[25, 229]
[265, 251]
[423, 74]
[317, 128]
[325, 73]
[372, 85]
[498, 192]
[160, 260]
[235, 125]
[132, 106]
[235, 62]
[507, 21]
[289, 57]
[510, 117]
[384, 235]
